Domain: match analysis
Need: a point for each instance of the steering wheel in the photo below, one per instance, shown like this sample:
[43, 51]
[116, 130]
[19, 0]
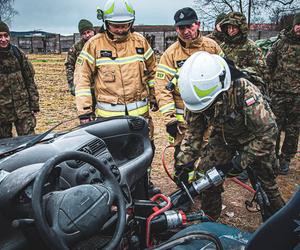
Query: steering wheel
[66, 217]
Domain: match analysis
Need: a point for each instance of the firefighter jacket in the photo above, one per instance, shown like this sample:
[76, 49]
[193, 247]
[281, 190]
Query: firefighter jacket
[19, 96]
[124, 73]
[170, 102]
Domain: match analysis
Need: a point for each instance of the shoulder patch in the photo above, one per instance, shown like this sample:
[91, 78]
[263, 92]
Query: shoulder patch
[180, 63]
[160, 75]
[250, 101]
[105, 53]
[79, 61]
[140, 51]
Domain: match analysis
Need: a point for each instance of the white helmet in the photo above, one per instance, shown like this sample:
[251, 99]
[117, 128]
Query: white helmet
[201, 79]
[118, 11]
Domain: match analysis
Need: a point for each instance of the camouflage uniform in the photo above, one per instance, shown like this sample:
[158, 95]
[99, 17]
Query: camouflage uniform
[242, 121]
[217, 36]
[18, 94]
[243, 51]
[70, 62]
[284, 64]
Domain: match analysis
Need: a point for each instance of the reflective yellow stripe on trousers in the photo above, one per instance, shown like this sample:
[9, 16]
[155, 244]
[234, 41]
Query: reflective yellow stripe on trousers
[109, 110]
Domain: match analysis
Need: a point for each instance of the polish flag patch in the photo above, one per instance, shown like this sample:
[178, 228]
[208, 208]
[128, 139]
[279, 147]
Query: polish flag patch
[250, 101]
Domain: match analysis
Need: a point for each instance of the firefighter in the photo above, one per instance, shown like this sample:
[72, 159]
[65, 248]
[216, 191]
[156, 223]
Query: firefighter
[190, 40]
[123, 64]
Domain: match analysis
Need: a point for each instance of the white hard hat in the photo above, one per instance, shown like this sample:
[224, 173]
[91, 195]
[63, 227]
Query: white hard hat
[202, 78]
[118, 11]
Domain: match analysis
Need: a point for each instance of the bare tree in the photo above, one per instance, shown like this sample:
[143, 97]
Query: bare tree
[7, 11]
[254, 10]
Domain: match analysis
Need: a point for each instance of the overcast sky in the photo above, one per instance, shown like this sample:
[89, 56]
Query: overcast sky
[59, 16]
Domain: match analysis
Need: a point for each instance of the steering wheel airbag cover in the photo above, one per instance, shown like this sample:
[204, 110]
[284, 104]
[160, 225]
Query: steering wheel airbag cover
[84, 208]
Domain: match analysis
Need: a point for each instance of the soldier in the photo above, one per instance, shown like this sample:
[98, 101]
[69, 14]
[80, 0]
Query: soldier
[86, 31]
[217, 34]
[242, 122]
[19, 98]
[284, 64]
[244, 53]
[189, 41]
[241, 50]
[124, 67]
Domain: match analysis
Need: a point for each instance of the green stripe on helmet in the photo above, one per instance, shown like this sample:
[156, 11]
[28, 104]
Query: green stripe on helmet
[203, 93]
[129, 9]
[110, 10]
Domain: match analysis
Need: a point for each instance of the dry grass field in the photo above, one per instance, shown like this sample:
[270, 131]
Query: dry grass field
[57, 105]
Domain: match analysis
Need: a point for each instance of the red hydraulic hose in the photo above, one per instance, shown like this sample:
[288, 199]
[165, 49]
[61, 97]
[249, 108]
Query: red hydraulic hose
[235, 180]
[164, 162]
[156, 213]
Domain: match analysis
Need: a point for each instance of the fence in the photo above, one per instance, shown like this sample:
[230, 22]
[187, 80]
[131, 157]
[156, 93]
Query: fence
[159, 37]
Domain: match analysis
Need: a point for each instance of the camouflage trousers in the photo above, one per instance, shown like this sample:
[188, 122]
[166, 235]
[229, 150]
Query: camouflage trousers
[23, 126]
[216, 152]
[286, 108]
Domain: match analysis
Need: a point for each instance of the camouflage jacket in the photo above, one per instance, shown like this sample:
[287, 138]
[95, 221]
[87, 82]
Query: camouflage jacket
[18, 91]
[242, 119]
[216, 36]
[284, 64]
[70, 62]
[245, 54]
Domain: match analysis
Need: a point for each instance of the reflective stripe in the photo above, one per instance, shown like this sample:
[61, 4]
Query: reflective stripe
[166, 69]
[167, 107]
[83, 92]
[87, 56]
[124, 60]
[135, 108]
[179, 118]
[179, 115]
[179, 111]
[221, 53]
[148, 54]
[151, 83]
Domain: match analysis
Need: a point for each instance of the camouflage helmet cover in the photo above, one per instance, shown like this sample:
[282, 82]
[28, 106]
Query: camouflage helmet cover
[236, 18]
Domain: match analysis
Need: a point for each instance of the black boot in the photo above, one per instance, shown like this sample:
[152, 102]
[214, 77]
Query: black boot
[243, 177]
[284, 168]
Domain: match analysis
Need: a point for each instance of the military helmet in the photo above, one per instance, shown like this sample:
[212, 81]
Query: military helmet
[235, 18]
[201, 79]
[118, 11]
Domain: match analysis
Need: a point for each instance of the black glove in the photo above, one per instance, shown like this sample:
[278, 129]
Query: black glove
[172, 128]
[72, 88]
[85, 118]
[153, 105]
[182, 173]
[232, 168]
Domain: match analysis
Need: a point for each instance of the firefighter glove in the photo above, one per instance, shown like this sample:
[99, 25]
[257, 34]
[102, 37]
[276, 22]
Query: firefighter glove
[153, 104]
[172, 128]
[85, 118]
[182, 173]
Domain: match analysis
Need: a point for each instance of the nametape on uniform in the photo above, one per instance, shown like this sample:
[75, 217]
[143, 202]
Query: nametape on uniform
[140, 51]
[250, 101]
[105, 53]
[79, 61]
[160, 75]
[180, 63]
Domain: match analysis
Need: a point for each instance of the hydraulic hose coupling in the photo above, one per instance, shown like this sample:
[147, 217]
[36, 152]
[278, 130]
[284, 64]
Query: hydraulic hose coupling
[212, 177]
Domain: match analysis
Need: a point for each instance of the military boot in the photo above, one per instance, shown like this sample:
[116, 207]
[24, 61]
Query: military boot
[284, 167]
[243, 177]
